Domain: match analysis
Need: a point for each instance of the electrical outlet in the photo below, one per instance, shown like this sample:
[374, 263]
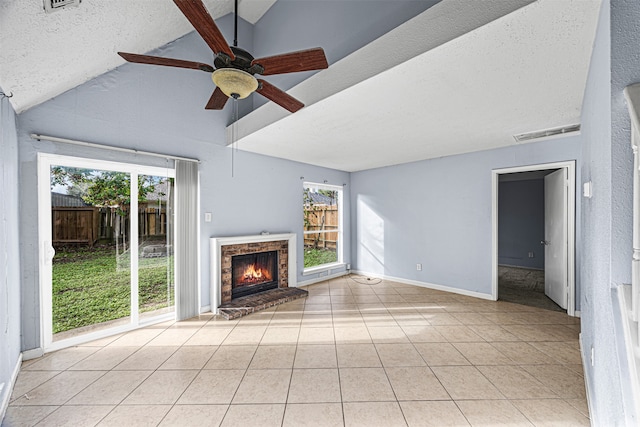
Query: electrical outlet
[531, 255]
[419, 267]
[207, 217]
[348, 266]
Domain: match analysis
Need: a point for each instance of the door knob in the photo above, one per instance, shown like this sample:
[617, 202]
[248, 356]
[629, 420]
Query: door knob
[545, 242]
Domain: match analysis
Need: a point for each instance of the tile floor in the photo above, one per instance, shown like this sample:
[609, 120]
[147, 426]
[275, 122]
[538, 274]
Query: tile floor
[354, 353]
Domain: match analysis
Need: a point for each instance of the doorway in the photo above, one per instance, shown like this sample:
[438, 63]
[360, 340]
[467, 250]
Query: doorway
[534, 257]
[106, 248]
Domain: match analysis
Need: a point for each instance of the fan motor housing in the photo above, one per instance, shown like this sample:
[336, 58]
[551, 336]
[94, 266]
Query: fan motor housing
[242, 61]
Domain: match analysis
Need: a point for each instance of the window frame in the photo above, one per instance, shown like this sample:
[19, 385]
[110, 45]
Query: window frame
[340, 230]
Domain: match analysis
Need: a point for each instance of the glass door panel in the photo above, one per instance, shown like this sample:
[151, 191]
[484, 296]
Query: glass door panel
[156, 292]
[91, 274]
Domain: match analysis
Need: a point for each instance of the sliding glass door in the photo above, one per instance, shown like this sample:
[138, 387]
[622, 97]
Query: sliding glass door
[106, 232]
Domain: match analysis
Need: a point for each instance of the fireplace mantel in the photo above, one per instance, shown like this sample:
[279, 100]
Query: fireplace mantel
[216, 244]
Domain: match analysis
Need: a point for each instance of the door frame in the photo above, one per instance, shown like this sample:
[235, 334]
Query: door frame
[570, 166]
[45, 160]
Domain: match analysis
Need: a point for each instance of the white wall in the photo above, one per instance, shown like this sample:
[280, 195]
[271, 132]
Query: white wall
[9, 253]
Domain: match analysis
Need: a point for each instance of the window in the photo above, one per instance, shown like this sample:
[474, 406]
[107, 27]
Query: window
[322, 211]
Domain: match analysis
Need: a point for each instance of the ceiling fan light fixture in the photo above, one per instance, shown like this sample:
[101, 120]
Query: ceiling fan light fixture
[234, 83]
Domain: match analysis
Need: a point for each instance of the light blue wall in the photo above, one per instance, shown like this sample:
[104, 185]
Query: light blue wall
[438, 213]
[521, 223]
[161, 109]
[607, 216]
[9, 251]
[339, 27]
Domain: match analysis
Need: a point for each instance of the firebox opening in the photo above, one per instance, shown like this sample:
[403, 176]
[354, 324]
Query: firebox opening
[253, 273]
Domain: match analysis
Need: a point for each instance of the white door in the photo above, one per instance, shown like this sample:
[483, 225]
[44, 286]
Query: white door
[555, 237]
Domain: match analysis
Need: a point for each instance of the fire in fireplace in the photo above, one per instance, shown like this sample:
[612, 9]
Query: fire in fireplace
[253, 273]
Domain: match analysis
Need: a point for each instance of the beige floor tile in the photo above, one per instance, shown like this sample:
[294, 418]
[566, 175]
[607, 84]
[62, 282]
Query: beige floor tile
[433, 414]
[455, 333]
[28, 380]
[110, 389]
[399, 355]
[313, 415]
[425, 333]
[416, 383]
[387, 334]
[26, 416]
[263, 386]
[59, 360]
[254, 415]
[472, 319]
[466, 382]
[318, 299]
[372, 308]
[135, 415]
[342, 299]
[379, 319]
[245, 335]
[59, 389]
[354, 335]
[315, 356]
[523, 353]
[321, 320]
[194, 416]
[551, 412]
[531, 332]
[317, 309]
[314, 386]
[358, 356]
[410, 319]
[441, 354]
[316, 336]
[515, 383]
[385, 298]
[348, 320]
[369, 414]
[482, 353]
[212, 387]
[562, 352]
[366, 298]
[365, 385]
[189, 357]
[274, 357]
[104, 359]
[147, 358]
[581, 405]
[172, 337]
[492, 413]
[231, 357]
[280, 336]
[562, 381]
[209, 336]
[73, 416]
[161, 388]
[286, 319]
[493, 333]
[261, 318]
[439, 319]
[139, 337]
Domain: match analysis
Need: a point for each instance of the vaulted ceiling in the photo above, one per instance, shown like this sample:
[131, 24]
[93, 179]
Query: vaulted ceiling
[456, 78]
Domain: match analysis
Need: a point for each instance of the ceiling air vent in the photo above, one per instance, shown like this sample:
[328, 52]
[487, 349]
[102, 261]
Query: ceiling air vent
[53, 5]
[548, 133]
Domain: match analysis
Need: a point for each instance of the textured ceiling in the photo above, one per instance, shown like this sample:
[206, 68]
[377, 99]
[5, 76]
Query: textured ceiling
[469, 80]
[45, 54]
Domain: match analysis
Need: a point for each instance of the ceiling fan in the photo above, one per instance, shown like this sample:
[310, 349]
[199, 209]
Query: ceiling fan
[234, 68]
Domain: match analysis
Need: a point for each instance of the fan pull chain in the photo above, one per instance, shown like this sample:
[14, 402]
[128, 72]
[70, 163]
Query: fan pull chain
[234, 136]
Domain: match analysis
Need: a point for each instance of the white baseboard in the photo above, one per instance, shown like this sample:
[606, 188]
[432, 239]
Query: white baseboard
[427, 285]
[587, 382]
[5, 391]
[321, 279]
[34, 353]
[577, 313]
[205, 309]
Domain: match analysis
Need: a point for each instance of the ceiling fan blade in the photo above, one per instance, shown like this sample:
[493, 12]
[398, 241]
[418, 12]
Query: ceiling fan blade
[169, 62]
[303, 60]
[197, 14]
[278, 96]
[217, 101]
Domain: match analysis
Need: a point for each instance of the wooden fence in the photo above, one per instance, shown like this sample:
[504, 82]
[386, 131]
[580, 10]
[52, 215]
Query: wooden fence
[321, 218]
[87, 225]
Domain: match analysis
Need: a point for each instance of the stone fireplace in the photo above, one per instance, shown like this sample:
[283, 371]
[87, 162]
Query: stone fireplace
[245, 265]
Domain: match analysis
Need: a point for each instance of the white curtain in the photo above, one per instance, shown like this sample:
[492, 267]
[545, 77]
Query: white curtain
[186, 241]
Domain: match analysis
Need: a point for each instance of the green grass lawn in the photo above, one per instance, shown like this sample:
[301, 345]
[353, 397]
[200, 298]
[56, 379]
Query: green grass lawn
[89, 288]
[314, 257]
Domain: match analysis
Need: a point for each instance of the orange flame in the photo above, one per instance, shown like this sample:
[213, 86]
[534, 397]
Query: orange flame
[252, 274]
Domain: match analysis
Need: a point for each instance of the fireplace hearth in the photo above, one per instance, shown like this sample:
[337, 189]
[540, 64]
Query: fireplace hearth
[253, 273]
